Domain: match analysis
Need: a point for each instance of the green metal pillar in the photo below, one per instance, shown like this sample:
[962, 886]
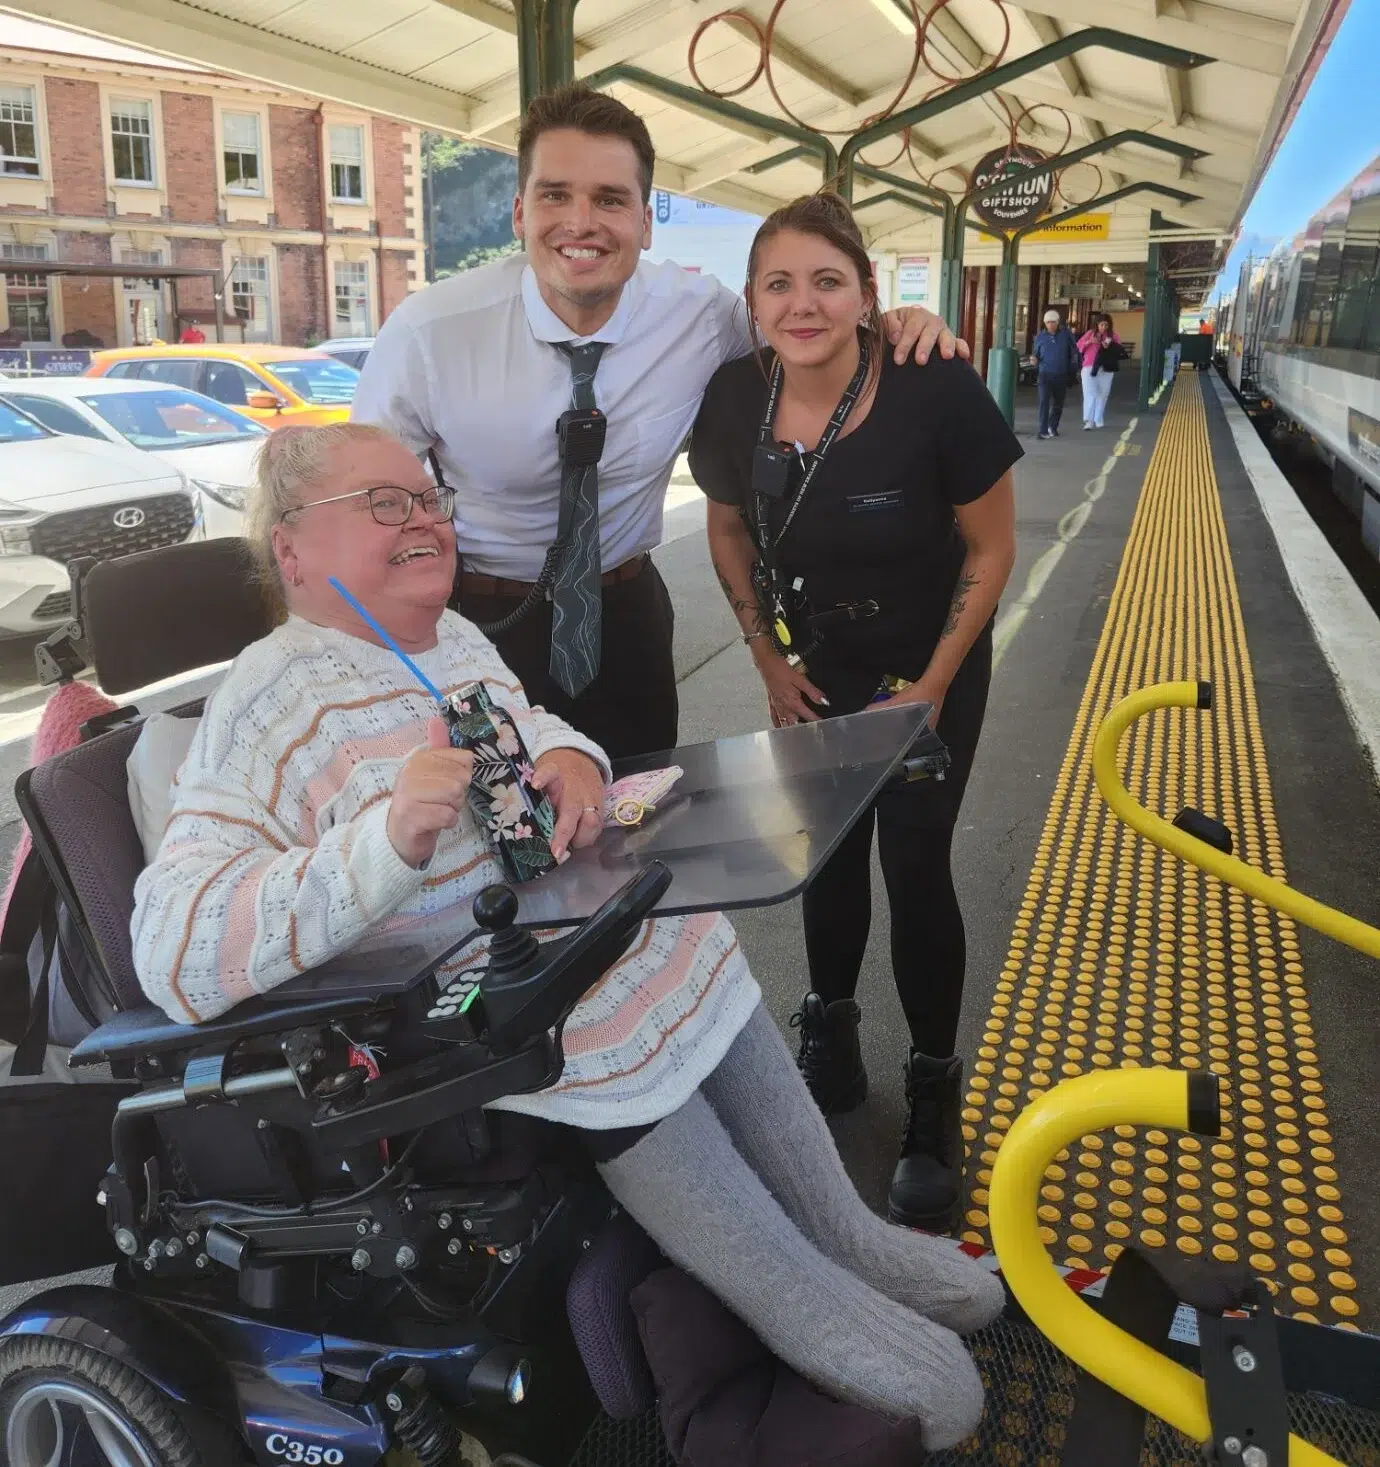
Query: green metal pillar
[558, 43]
[528, 15]
[1004, 76]
[1152, 352]
[1003, 359]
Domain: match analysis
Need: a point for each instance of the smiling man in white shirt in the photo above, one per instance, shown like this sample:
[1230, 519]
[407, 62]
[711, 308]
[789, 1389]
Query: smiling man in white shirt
[476, 371]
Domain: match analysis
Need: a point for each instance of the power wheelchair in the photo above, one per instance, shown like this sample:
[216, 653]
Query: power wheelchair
[318, 1263]
[323, 1261]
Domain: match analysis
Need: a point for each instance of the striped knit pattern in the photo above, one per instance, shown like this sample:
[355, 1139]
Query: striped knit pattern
[276, 859]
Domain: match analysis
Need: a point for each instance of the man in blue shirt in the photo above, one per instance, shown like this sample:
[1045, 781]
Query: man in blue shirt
[1056, 357]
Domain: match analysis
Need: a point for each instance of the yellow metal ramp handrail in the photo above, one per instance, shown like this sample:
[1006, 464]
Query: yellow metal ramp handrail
[1235, 872]
[1075, 1108]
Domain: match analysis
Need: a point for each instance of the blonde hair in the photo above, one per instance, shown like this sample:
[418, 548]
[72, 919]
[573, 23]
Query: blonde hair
[291, 462]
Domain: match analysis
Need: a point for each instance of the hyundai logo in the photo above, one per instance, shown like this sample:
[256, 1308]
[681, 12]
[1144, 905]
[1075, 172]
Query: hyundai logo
[129, 518]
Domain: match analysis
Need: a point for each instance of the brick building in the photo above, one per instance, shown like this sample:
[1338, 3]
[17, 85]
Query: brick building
[114, 156]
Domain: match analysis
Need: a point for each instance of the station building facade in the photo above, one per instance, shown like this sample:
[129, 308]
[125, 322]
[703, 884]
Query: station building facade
[110, 155]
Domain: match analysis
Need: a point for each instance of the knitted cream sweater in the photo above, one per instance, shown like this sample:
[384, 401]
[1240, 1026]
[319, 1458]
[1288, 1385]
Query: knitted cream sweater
[277, 858]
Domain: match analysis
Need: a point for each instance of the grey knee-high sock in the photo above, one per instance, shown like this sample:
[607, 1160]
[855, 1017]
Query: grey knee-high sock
[758, 1094]
[700, 1201]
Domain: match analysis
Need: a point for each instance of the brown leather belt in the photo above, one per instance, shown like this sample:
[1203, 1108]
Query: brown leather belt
[477, 584]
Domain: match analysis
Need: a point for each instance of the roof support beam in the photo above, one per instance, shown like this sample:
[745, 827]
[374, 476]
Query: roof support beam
[1005, 75]
[1118, 114]
[950, 39]
[486, 13]
[787, 58]
[1231, 36]
[218, 44]
[672, 23]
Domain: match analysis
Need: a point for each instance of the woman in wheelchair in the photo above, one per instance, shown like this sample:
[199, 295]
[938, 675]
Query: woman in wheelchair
[321, 801]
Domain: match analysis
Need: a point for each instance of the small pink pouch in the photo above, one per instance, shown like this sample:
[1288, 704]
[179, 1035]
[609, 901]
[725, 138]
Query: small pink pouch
[629, 800]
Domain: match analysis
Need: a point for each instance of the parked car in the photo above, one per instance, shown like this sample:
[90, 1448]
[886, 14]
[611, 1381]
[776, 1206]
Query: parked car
[214, 446]
[62, 498]
[272, 384]
[352, 350]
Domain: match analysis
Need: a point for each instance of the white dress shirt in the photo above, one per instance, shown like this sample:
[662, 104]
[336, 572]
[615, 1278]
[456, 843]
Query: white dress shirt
[467, 367]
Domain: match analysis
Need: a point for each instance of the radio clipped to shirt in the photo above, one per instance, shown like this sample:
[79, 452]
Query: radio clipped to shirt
[580, 435]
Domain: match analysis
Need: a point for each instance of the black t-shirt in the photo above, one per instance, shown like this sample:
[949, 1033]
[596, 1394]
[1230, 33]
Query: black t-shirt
[878, 521]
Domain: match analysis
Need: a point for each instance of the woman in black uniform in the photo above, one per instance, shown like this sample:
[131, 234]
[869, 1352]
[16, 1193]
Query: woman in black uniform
[887, 483]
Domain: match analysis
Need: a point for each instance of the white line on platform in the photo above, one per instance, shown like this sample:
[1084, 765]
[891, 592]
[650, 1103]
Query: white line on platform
[1068, 529]
[1347, 630]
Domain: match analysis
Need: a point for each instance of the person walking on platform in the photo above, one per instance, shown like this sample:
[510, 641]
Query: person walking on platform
[838, 479]
[1101, 350]
[1057, 364]
[553, 392]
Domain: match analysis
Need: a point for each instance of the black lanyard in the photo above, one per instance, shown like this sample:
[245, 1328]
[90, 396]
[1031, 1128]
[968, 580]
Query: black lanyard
[779, 605]
[813, 460]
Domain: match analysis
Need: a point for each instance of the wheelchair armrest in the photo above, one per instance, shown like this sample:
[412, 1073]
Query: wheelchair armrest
[137, 1033]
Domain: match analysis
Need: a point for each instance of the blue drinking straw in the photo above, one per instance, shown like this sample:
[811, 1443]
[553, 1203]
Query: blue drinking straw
[391, 644]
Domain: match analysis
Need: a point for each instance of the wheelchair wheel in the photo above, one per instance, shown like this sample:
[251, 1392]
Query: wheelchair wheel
[63, 1404]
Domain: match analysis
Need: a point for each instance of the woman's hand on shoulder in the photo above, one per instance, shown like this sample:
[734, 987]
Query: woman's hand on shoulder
[429, 795]
[575, 785]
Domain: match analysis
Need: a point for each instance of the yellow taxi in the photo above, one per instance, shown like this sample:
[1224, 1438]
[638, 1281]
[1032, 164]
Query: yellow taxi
[275, 384]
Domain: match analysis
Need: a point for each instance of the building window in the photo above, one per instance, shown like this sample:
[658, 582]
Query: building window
[131, 141]
[351, 298]
[141, 257]
[243, 166]
[26, 295]
[347, 164]
[249, 297]
[18, 133]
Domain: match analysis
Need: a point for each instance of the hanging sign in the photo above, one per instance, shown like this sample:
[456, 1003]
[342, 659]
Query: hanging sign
[1085, 226]
[1021, 202]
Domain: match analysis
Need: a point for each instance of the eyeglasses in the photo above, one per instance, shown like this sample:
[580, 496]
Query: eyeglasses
[391, 505]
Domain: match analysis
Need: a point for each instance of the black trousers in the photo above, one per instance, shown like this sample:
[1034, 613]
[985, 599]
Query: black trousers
[632, 706]
[1052, 391]
[915, 826]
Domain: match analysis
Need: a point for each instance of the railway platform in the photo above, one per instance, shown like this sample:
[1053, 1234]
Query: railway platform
[1146, 555]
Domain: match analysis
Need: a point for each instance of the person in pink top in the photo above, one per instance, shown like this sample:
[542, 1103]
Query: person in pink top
[1101, 350]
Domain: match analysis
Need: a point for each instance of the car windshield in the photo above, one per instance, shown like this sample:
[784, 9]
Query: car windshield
[317, 379]
[17, 427]
[171, 418]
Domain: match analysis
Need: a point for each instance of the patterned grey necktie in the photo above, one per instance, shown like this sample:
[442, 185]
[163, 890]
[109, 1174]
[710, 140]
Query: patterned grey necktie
[576, 596]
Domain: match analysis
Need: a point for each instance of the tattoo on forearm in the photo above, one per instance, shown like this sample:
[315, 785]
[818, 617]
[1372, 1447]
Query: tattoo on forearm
[966, 582]
[740, 605]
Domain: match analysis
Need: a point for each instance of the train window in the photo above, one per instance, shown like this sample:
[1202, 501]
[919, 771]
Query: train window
[1360, 255]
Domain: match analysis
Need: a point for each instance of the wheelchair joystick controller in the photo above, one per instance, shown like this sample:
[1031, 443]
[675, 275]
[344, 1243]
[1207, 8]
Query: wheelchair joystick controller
[529, 988]
[510, 947]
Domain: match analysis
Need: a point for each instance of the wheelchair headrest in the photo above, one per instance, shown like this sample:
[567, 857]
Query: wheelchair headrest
[77, 808]
[157, 613]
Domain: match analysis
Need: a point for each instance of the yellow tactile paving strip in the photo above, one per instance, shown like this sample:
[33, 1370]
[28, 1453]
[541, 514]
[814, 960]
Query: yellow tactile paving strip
[1123, 955]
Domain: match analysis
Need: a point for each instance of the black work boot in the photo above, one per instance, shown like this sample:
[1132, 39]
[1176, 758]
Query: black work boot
[830, 1058]
[927, 1185]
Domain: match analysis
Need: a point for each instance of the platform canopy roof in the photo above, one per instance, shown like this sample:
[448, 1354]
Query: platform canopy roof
[453, 66]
